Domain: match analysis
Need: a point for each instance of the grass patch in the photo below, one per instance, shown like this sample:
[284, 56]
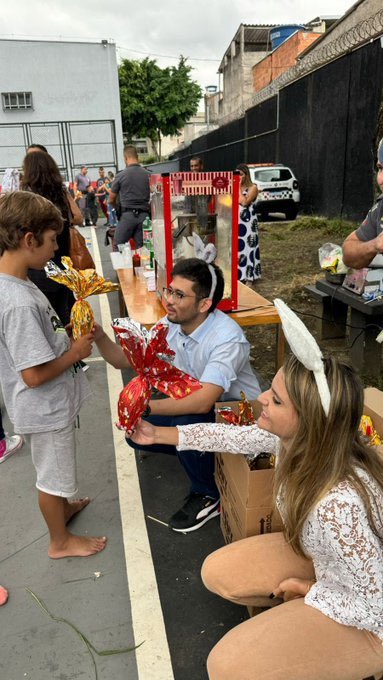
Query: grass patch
[289, 256]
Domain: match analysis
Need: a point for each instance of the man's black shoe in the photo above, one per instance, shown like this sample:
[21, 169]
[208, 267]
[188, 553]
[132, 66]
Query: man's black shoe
[88, 223]
[196, 511]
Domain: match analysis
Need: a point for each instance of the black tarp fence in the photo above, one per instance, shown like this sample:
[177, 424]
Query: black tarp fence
[323, 126]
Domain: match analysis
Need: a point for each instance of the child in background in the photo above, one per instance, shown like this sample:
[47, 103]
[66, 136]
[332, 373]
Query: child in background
[111, 210]
[42, 384]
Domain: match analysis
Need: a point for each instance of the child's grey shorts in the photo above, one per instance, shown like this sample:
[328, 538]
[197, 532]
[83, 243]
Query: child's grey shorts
[54, 458]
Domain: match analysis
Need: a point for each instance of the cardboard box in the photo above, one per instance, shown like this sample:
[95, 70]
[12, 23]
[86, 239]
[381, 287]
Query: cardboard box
[246, 495]
[373, 407]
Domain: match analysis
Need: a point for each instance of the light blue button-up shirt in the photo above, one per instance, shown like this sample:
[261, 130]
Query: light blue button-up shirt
[217, 352]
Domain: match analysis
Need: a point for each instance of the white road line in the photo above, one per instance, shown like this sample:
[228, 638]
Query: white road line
[153, 657]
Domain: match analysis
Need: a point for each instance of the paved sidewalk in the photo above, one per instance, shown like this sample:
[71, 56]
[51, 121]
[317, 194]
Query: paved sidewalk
[140, 588]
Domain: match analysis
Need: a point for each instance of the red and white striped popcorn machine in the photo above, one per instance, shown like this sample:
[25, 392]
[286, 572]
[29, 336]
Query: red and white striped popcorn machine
[205, 203]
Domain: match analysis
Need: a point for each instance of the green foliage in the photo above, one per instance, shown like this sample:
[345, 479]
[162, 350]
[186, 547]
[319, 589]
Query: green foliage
[156, 101]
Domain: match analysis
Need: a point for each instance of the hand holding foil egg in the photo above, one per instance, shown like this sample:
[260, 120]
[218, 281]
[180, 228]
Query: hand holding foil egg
[150, 356]
[83, 283]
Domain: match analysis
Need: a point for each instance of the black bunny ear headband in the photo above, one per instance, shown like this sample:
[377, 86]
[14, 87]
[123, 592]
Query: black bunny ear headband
[305, 348]
[207, 254]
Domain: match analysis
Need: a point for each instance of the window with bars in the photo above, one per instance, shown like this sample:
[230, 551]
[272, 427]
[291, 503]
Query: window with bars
[16, 100]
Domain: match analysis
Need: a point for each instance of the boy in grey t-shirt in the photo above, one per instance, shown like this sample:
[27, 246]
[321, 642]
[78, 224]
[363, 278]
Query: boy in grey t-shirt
[42, 386]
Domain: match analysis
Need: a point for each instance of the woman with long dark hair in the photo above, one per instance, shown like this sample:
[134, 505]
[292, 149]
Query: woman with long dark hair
[41, 175]
[249, 258]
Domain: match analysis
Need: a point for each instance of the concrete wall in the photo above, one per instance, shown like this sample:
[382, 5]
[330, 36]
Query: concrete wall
[238, 80]
[281, 59]
[69, 82]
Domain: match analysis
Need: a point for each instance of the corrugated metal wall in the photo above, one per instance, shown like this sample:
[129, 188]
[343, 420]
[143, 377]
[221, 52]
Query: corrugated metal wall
[324, 126]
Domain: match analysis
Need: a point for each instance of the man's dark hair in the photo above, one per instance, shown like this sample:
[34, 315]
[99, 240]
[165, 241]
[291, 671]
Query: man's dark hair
[198, 159]
[198, 272]
[39, 147]
[130, 151]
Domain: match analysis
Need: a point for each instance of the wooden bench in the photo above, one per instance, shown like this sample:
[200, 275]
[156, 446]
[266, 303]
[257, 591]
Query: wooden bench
[364, 321]
[333, 316]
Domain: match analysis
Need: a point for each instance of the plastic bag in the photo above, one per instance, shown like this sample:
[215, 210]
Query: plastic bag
[331, 258]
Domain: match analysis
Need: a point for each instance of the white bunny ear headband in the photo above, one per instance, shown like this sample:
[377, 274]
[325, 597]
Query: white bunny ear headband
[207, 254]
[306, 349]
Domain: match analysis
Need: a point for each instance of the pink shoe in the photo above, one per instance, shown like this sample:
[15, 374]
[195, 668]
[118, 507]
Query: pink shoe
[9, 446]
[3, 595]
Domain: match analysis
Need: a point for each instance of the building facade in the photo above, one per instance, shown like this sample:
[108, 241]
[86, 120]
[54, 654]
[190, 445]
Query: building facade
[64, 95]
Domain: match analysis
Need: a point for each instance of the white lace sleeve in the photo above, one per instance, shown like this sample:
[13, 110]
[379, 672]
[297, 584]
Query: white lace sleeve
[348, 559]
[248, 439]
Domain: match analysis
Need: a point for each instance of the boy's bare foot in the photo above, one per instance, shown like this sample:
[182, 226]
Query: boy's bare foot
[77, 546]
[71, 508]
[3, 595]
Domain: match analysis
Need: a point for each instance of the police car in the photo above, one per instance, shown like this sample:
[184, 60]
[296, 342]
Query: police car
[278, 189]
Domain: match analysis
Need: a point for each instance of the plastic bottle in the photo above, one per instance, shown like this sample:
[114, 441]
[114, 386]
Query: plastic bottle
[127, 256]
[147, 232]
[145, 256]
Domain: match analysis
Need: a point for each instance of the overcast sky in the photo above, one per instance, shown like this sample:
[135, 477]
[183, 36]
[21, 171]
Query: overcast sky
[162, 29]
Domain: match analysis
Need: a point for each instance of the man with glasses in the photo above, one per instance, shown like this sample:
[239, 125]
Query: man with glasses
[211, 347]
[365, 244]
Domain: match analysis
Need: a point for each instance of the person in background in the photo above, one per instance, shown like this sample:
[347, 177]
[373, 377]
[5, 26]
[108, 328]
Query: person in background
[327, 566]
[92, 205]
[196, 164]
[102, 194]
[42, 176]
[132, 186]
[112, 215]
[36, 147]
[9, 444]
[365, 243]
[249, 258]
[81, 186]
[212, 348]
[40, 379]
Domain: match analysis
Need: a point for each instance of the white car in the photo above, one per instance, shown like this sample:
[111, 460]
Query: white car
[278, 189]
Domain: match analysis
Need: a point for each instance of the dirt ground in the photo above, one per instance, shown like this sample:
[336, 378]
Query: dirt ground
[289, 256]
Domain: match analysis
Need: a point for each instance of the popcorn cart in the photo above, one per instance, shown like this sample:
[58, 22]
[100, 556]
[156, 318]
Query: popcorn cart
[203, 203]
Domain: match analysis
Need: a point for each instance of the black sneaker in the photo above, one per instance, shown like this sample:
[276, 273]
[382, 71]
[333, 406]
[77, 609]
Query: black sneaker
[196, 511]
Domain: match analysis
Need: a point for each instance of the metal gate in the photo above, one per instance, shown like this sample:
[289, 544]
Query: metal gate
[71, 143]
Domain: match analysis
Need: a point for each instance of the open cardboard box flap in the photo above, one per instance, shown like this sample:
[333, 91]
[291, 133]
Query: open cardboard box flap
[373, 407]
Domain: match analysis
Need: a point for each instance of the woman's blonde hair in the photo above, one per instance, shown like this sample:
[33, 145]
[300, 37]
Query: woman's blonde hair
[325, 450]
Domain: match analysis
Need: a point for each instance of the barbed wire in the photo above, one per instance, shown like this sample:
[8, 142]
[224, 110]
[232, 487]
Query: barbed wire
[368, 29]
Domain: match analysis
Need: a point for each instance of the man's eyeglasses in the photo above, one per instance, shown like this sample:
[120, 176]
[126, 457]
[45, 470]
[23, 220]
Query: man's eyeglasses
[176, 295]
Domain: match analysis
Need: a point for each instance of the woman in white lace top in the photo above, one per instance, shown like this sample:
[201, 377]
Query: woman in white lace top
[326, 569]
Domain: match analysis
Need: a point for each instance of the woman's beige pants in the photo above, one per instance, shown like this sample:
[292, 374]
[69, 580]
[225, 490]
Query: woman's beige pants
[292, 641]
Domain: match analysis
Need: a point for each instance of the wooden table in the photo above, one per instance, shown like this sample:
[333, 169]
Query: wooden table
[365, 318]
[146, 308]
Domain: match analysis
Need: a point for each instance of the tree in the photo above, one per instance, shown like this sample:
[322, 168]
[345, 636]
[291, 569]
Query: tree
[156, 101]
